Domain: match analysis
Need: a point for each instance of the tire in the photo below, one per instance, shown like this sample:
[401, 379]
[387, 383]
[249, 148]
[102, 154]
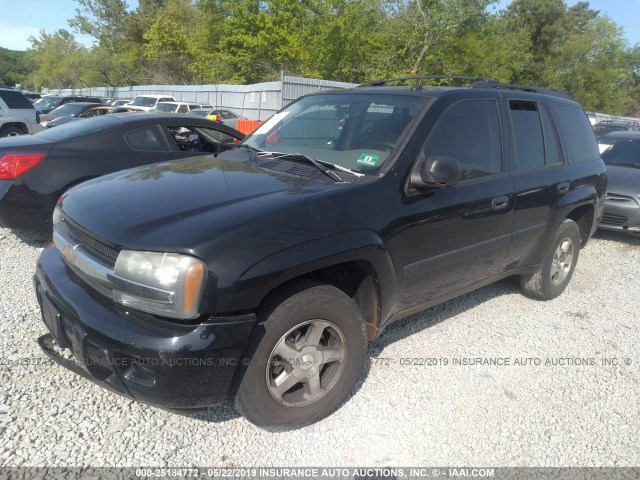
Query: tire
[11, 132]
[292, 381]
[557, 266]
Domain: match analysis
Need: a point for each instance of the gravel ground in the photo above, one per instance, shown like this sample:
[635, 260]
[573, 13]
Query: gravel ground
[399, 415]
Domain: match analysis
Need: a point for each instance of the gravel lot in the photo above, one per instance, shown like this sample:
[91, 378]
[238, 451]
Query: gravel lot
[399, 415]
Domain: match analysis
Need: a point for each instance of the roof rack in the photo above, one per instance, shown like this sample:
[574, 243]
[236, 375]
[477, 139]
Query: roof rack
[478, 82]
[522, 88]
[379, 83]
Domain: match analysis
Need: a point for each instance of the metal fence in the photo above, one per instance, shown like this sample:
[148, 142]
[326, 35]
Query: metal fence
[255, 102]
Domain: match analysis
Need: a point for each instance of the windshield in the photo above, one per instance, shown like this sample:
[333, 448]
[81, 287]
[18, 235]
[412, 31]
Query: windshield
[79, 129]
[71, 109]
[48, 102]
[165, 107]
[356, 131]
[199, 113]
[144, 101]
[625, 152]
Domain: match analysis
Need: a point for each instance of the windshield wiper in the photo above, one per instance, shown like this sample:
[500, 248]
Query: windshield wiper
[319, 164]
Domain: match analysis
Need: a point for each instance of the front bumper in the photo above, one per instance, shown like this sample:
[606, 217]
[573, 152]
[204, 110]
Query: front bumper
[621, 213]
[163, 363]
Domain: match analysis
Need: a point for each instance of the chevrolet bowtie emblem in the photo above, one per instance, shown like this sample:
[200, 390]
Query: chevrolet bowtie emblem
[69, 253]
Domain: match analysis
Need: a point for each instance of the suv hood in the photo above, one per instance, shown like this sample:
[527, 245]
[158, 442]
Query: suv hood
[179, 204]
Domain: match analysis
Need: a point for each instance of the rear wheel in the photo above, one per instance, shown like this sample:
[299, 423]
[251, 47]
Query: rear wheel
[11, 131]
[557, 266]
[306, 357]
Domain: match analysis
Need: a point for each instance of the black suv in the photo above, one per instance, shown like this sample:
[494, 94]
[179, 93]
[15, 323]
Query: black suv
[263, 272]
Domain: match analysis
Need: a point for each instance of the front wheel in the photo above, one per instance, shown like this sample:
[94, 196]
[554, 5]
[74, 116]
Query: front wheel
[557, 266]
[305, 358]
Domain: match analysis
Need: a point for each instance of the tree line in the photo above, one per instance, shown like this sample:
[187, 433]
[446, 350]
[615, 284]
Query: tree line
[539, 42]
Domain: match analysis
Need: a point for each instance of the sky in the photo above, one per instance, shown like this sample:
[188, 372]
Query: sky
[21, 18]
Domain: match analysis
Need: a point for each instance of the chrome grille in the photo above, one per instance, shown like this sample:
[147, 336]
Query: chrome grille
[94, 247]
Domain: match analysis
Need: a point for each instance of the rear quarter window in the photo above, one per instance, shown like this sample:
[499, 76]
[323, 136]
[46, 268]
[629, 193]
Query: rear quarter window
[147, 138]
[579, 131]
[15, 100]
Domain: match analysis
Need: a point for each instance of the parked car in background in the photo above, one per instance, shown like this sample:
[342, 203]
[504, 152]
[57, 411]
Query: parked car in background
[177, 107]
[97, 111]
[120, 101]
[47, 103]
[69, 111]
[262, 274]
[608, 126]
[17, 114]
[147, 102]
[94, 112]
[32, 96]
[621, 153]
[225, 116]
[107, 100]
[35, 170]
[127, 109]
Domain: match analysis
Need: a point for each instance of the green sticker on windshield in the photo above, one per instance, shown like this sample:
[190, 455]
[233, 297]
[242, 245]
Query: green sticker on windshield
[368, 159]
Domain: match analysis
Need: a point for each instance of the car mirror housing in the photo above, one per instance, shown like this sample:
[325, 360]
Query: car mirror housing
[435, 172]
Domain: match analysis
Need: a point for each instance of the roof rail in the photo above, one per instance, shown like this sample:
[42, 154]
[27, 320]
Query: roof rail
[522, 88]
[379, 83]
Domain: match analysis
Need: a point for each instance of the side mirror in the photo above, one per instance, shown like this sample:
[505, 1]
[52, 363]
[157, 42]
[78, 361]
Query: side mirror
[436, 171]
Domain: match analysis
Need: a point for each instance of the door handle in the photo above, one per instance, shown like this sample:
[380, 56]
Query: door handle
[500, 203]
[563, 187]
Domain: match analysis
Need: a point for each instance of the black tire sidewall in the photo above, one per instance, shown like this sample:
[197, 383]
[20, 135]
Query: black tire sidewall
[324, 302]
[567, 229]
[4, 132]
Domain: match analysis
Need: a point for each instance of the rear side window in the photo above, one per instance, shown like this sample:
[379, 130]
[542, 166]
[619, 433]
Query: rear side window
[535, 139]
[470, 132]
[580, 136]
[15, 100]
[527, 133]
[551, 148]
[146, 138]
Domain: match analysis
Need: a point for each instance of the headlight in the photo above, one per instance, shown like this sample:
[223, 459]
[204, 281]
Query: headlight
[166, 284]
[57, 215]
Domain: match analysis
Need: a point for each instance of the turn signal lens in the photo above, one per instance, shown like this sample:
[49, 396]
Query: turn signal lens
[14, 165]
[192, 284]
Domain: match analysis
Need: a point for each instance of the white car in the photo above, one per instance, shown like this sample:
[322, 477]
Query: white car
[17, 114]
[177, 107]
[147, 102]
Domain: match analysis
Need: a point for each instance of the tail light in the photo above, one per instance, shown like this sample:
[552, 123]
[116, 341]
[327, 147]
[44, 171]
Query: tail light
[14, 165]
[37, 117]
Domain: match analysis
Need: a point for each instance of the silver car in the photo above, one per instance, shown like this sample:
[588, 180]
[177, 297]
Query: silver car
[621, 153]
